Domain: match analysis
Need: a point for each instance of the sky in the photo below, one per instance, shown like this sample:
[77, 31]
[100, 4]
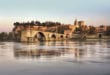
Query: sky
[93, 12]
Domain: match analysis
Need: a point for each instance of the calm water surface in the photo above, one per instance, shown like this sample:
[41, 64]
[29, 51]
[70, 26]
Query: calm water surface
[55, 58]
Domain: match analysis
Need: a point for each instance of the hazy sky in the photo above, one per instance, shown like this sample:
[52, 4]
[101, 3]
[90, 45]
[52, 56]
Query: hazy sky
[94, 12]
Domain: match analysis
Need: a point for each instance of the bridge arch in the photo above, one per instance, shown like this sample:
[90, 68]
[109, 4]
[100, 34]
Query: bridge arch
[61, 36]
[39, 36]
[100, 35]
[67, 36]
[53, 36]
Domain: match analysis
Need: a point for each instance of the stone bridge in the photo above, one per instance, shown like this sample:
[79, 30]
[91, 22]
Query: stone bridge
[35, 36]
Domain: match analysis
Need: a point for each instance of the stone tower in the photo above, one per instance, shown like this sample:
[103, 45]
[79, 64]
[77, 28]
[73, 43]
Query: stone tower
[75, 22]
[81, 23]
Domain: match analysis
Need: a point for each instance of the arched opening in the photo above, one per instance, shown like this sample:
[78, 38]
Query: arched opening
[53, 36]
[67, 35]
[61, 36]
[40, 36]
[100, 35]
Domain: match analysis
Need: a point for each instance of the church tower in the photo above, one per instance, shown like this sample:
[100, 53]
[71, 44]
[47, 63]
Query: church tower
[75, 22]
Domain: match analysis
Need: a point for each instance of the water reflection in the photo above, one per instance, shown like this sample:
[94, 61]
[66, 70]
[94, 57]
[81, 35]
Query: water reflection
[47, 50]
[35, 53]
[85, 51]
[69, 51]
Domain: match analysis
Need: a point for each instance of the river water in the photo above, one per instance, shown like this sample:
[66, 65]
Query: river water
[55, 58]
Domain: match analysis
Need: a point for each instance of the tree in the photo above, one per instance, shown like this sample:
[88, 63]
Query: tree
[3, 36]
[32, 23]
[92, 30]
[16, 23]
[37, 23]
[50, 24]
[10, 36]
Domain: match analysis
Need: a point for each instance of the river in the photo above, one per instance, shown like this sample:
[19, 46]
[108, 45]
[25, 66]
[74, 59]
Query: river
[55, 58]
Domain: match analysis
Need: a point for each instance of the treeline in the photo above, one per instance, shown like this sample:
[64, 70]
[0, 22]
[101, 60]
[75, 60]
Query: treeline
[37, 23]
[4, 36]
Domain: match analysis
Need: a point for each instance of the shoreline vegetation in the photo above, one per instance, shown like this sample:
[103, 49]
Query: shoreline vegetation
[6, 36]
